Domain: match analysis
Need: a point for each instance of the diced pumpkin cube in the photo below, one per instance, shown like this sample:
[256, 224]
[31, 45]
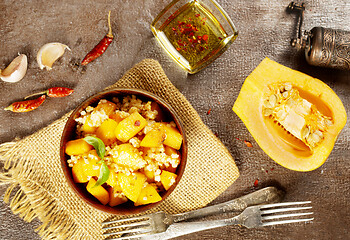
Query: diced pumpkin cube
[116, 117]
[149, 174]
[130, 126]
[131, 184]
[86, 168]
[148, 195]
[128, 156]
[88, 126]
[115, 198]
[167, 179]
[106, 132]
[107, 106]
[78, 172]
[160, 116]
[77, 147]
[153, 138]
[92, 168]
[173, 137]
[98, 192]
[112, 179]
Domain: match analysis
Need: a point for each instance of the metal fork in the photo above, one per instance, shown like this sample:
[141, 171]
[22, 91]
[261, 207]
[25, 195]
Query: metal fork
[160, 221]
[251, 217]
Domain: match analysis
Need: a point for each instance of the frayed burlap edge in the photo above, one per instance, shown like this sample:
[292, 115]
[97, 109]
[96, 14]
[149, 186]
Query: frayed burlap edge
[30, 200]
[33, 200]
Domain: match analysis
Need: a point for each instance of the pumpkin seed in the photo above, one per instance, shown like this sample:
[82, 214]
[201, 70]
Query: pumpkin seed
[328, 122]
[281, 114]
[310, 141]
[290, 102]
[305, 132]
[296, 115]
[273, 100]
[322, 126]
[287, 86]
[267, 104]
[315, 137]
[267, 112]
[319, 133]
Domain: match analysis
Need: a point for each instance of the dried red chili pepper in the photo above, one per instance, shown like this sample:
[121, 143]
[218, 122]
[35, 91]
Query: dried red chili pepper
[54, 92]
[249, 144]
[256, 183]
[59, 92]
[209, 111]
[101, 47]
[26, 106]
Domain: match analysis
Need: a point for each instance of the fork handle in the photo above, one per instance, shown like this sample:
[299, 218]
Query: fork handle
[180, 229]
[262, 196]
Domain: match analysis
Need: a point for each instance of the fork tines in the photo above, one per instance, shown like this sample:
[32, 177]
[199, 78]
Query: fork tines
[270, 212]
[137, 225]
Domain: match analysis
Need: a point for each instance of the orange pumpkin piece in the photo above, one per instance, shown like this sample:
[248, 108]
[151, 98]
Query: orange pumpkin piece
[167, 179]
[98, 192]
[154, 138]
[130, 126]
[92, 168]
[88, 126]
[78, 172]
[86, 168]
[112, 179]
[116, 117]
[132, 184]
[115, 197]
[128, 156]
[173, 137]
[148, 195]
[77, 147]
[107, 106]
[106, 132]
[149, 174]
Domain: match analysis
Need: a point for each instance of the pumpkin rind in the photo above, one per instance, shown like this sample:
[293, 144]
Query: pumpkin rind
[283, 148]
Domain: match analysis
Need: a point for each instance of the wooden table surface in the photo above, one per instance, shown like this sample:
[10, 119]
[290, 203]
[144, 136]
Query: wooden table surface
[265, 30]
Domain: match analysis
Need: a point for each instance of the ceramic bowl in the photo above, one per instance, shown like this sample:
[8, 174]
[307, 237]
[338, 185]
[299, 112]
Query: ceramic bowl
[69, 133]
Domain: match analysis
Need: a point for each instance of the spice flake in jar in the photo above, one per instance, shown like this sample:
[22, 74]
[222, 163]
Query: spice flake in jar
[193, 36]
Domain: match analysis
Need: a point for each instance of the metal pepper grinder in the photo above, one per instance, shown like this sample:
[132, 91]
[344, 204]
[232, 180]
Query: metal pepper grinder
[324, 47]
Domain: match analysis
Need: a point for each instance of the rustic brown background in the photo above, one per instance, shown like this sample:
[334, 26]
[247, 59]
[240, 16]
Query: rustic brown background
[265, 30]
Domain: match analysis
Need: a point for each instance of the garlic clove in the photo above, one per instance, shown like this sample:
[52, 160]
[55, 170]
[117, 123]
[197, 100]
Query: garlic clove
[16, 70]
[49, 53]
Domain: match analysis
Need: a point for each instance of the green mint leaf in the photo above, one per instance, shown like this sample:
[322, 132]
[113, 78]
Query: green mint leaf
[104, 175]
[97, 144]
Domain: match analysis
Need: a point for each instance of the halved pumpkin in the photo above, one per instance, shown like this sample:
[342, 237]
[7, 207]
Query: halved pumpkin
[298, 134]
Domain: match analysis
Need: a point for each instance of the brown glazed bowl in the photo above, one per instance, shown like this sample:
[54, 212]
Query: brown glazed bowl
[69, 133]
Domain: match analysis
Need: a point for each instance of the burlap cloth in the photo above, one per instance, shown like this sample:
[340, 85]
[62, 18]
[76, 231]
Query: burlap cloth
[33, 169]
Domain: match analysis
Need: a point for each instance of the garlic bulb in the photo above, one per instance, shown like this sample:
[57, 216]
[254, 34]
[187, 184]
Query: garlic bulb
[49, 53]
[16, 70]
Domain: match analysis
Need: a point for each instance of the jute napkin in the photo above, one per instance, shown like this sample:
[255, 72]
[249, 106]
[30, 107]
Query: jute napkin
[33, 168]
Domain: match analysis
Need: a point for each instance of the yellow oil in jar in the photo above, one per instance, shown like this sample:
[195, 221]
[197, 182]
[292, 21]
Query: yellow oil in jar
[193, 36]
